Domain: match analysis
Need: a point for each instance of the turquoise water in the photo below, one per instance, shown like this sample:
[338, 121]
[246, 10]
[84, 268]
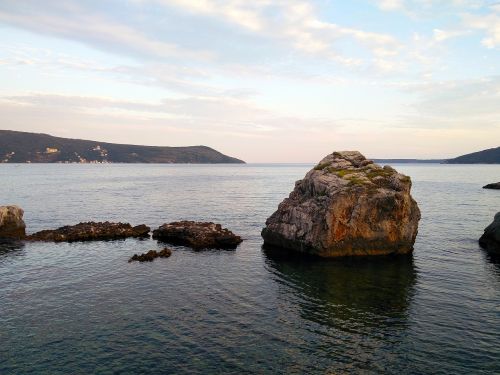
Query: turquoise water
[80, 308]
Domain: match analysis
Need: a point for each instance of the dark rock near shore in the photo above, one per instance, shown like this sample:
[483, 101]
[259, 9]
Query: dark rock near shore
[198, 235]
[490, 240]
[151, 255]
[91, 231]
[12, 225]
[346, 206]
[495, 185]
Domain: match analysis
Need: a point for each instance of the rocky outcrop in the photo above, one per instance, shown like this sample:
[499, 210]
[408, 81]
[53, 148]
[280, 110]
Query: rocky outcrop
[346, 206]
[12, 225]
[151, 255]
[198, 235]
[490, 240]
[495, 185]
[91, 231]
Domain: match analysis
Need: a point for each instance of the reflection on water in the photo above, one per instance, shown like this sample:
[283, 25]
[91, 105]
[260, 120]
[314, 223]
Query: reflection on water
[369, 292]
[10, 247]
[494, 259]
[349, 308]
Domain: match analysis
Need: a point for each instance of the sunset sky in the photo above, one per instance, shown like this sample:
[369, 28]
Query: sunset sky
[261, 80]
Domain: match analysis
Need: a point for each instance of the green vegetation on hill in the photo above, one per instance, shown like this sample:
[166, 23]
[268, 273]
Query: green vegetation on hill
[23, 147]
[490, 156]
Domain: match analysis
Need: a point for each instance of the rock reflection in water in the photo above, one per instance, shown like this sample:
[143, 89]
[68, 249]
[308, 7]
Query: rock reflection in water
[10, 247]
[347, 293]
[494, 260]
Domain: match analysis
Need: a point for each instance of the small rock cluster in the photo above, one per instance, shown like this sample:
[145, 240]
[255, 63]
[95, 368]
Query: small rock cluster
[91, 231]
[197, 235]
[151, 255]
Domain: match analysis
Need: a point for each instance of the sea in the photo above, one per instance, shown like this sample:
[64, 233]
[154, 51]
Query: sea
[81, 308]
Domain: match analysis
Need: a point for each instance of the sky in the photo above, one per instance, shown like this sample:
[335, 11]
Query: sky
[261, 80]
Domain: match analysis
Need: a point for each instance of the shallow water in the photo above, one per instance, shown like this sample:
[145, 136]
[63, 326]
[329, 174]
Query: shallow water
[80, 308]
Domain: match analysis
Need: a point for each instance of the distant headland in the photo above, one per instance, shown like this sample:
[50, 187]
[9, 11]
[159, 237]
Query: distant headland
[489, 156]
[24, 147]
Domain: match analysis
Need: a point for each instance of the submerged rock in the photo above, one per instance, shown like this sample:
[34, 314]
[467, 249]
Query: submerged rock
[151, 255]
[495, 185]
[198, 235]
[12, 225]
[91, 231]
[346, 206]
[490, 240]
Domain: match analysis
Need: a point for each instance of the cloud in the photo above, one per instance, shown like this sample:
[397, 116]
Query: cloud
[296, 24]
[175, 77]
[236, 32]
[209, 109]
[428, 8]
[443, 35]
[74, 21]
[489, 23]
[454, 105]
[198, 113]
[465, 100]
[391, 4]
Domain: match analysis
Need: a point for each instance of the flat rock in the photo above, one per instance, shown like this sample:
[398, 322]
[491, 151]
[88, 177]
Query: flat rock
[198, 235]
[495, 185]
[151, 255]
[346, 206]
[91, 231]
[490, 240]
[12, 225]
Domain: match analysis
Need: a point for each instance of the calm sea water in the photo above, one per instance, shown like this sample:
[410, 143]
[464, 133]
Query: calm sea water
[80, 308]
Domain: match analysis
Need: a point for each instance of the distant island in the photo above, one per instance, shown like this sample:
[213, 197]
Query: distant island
[24, 147]
[489, 156]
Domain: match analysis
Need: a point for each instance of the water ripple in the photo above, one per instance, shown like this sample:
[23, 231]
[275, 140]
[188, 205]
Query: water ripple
[81, 308]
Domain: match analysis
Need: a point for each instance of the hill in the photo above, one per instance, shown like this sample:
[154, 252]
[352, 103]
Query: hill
[490, 156]
[23, 147]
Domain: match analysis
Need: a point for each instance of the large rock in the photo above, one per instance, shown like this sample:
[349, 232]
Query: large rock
[91, 231]
[346, 206]
[12, 225]
[198, 235]
[490, 240]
